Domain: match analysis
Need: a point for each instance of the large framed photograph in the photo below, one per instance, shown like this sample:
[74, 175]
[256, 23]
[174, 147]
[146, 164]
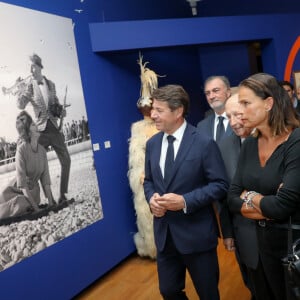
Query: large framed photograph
[59, 177]
[296, 75]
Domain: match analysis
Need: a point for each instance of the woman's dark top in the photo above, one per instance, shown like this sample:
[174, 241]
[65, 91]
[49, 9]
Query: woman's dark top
[283, 166]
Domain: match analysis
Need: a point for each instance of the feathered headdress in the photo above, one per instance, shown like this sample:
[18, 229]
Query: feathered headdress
[148, 83]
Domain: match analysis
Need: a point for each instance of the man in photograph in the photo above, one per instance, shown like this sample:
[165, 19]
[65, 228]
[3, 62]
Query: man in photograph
[41, 93]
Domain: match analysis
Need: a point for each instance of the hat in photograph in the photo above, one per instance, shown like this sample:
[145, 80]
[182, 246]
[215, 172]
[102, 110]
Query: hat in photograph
[36, 60]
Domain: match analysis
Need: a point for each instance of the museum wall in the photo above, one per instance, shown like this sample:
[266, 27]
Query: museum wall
[110, 81]
[110, 91]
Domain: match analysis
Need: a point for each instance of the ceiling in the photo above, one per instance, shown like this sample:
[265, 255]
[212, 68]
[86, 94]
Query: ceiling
[210, 8]
[164, 9]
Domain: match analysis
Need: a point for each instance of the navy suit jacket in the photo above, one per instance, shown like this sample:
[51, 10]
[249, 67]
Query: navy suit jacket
[206, 126]
[236, 226]
[199, 175]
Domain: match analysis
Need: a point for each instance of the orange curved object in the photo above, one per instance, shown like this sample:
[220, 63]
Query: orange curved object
[291, 58]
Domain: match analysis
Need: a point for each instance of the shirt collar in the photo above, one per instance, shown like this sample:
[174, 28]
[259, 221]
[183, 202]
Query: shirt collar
[223, 115]
[178, 134]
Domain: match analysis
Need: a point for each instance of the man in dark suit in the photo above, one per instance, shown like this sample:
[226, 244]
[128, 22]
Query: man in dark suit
[239, 233]
[181, 196]
[217, 91]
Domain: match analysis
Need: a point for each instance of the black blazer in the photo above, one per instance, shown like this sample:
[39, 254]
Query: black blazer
[235, 225]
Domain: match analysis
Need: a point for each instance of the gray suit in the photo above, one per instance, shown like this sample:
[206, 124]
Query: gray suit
[237, 226]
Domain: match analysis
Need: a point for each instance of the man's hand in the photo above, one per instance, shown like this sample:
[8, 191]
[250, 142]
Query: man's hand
[171, 201]
[156, 209]
[229, 244]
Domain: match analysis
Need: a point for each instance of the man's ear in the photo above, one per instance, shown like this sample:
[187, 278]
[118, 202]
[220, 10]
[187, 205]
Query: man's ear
[228, 93]
[179, 112]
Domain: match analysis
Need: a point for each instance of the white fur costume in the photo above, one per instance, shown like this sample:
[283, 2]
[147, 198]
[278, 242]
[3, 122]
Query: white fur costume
[141, 131]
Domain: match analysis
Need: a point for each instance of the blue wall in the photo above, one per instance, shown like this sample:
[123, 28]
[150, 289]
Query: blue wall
[186, 51]
[111, 88]
[219, 59]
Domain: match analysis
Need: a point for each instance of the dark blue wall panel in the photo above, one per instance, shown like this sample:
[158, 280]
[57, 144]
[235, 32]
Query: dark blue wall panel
[179, 32]
[229, 59]
[202, 31]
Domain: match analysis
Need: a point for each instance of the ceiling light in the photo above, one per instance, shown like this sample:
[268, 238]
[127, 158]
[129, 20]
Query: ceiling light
[193, 5]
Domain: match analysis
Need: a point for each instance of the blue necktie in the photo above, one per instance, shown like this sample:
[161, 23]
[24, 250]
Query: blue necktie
[169, 158]
[220, 129]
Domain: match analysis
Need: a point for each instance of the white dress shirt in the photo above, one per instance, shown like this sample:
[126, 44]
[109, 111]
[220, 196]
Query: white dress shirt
[225, 122]
[45, 92]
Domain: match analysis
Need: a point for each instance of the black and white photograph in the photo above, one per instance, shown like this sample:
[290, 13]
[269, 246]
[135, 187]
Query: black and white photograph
[48, 181]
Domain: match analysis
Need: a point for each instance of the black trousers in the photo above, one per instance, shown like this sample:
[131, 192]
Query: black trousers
[269, 277]
[203, 268]
[51, 136]
[261, 289]
[244, 272]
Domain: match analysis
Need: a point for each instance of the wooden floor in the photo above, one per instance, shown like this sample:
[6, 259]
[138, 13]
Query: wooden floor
[136, 279]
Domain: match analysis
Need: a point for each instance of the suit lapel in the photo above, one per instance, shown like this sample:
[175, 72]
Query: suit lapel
[212, 124]
[236, 148]
[228, 130]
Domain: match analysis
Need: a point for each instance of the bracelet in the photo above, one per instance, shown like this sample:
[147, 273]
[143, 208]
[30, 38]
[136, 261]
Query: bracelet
[249, 197]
